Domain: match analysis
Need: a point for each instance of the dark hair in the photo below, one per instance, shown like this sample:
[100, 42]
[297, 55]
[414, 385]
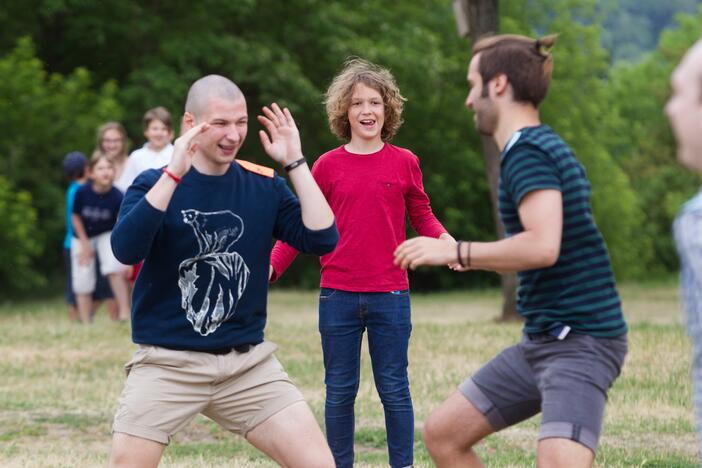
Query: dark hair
[157, 113]
[74, 165]
[526, 62]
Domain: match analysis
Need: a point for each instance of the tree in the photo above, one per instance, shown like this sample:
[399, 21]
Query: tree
[18, 233]
[643, 143]
[43, 117]
[482, 19]
[631, 27]
[91, 55]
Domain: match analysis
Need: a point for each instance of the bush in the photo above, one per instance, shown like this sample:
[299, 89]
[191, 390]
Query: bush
[43, 116]
[19, 238]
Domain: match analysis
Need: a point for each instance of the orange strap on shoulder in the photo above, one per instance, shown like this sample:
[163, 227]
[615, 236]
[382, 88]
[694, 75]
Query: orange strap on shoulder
[256, 169]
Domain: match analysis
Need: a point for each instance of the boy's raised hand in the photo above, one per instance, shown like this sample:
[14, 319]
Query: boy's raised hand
[283, 145]
[184, 149]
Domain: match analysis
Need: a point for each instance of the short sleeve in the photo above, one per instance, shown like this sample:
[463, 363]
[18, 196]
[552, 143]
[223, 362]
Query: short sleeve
[78, 201]
[527, 169]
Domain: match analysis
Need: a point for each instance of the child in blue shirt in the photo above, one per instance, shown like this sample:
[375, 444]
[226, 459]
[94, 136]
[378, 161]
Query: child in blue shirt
[94, 214]
[75, 167]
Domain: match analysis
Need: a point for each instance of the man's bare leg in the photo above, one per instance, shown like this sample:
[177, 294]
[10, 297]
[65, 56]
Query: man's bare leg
[134, 452]
[562, 453]
[282, 436]
[451, 431]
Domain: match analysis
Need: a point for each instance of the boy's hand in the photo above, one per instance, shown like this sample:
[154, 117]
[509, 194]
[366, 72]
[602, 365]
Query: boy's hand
[454, 265]
[86, 253]
[184, 149]
[283, 145]
[425, 251]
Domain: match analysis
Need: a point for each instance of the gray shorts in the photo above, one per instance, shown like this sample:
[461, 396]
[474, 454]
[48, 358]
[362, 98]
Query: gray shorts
[566, 380]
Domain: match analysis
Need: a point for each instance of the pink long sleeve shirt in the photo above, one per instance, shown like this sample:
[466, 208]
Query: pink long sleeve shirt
[369, 195]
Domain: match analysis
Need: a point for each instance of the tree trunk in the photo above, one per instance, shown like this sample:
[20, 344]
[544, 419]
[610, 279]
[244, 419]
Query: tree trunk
[481, 17]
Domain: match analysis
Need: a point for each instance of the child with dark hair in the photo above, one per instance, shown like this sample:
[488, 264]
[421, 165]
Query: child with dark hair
[156, 152]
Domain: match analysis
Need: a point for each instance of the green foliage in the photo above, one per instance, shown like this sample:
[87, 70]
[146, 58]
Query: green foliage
[18, 235]
[643, 144]
[90, 56]
[295, 62]
[631, 27]
[43, 117]
[577, 107]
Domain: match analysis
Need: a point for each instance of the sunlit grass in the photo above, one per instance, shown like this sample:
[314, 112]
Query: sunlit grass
[60, 383]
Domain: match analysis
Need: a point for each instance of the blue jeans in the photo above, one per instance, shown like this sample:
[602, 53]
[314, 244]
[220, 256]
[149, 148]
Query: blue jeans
[343, 317]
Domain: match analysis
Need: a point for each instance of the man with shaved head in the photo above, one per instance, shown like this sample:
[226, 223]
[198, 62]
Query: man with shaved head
[207, 86]
[203, 226]
[684, 110]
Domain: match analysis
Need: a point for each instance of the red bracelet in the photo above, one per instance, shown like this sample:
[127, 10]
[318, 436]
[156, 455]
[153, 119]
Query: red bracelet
[171, 175]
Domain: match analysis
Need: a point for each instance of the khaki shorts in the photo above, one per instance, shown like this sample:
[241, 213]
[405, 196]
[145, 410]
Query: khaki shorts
[166, 389]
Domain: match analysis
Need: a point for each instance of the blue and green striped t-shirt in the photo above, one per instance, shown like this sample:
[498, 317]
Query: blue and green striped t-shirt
[579, 289]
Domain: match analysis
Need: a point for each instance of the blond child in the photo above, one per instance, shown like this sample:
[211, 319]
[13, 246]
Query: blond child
[75, 168]
[94, 214]
[370, 185]
[112, 142]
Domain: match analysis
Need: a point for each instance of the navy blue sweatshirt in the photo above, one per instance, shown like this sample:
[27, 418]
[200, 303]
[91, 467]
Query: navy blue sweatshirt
[204, 282]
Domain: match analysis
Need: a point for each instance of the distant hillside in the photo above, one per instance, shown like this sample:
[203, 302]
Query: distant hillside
[632, 27]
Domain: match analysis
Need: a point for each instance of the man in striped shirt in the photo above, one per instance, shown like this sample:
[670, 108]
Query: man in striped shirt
[574, 339]
[684, 110]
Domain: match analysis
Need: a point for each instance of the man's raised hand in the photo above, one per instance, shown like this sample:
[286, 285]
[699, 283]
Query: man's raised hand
[184, 149]
[282, 142]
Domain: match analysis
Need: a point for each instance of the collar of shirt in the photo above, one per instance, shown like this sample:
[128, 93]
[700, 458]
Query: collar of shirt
[513, 139]
[694, 204]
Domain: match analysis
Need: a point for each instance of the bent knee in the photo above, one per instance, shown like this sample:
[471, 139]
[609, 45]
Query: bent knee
[341, 396]
[129, 451]
[435, 433]
[441, 434]
[320, 459]
[396, 399]
[120, 458]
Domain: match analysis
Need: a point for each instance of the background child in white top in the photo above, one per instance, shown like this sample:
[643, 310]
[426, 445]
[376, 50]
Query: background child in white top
[157, 150]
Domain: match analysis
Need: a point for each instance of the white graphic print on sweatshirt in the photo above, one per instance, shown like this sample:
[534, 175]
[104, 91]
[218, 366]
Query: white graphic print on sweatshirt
[212, 282]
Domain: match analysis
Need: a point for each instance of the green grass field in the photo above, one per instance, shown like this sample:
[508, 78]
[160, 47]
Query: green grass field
[59, 384]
